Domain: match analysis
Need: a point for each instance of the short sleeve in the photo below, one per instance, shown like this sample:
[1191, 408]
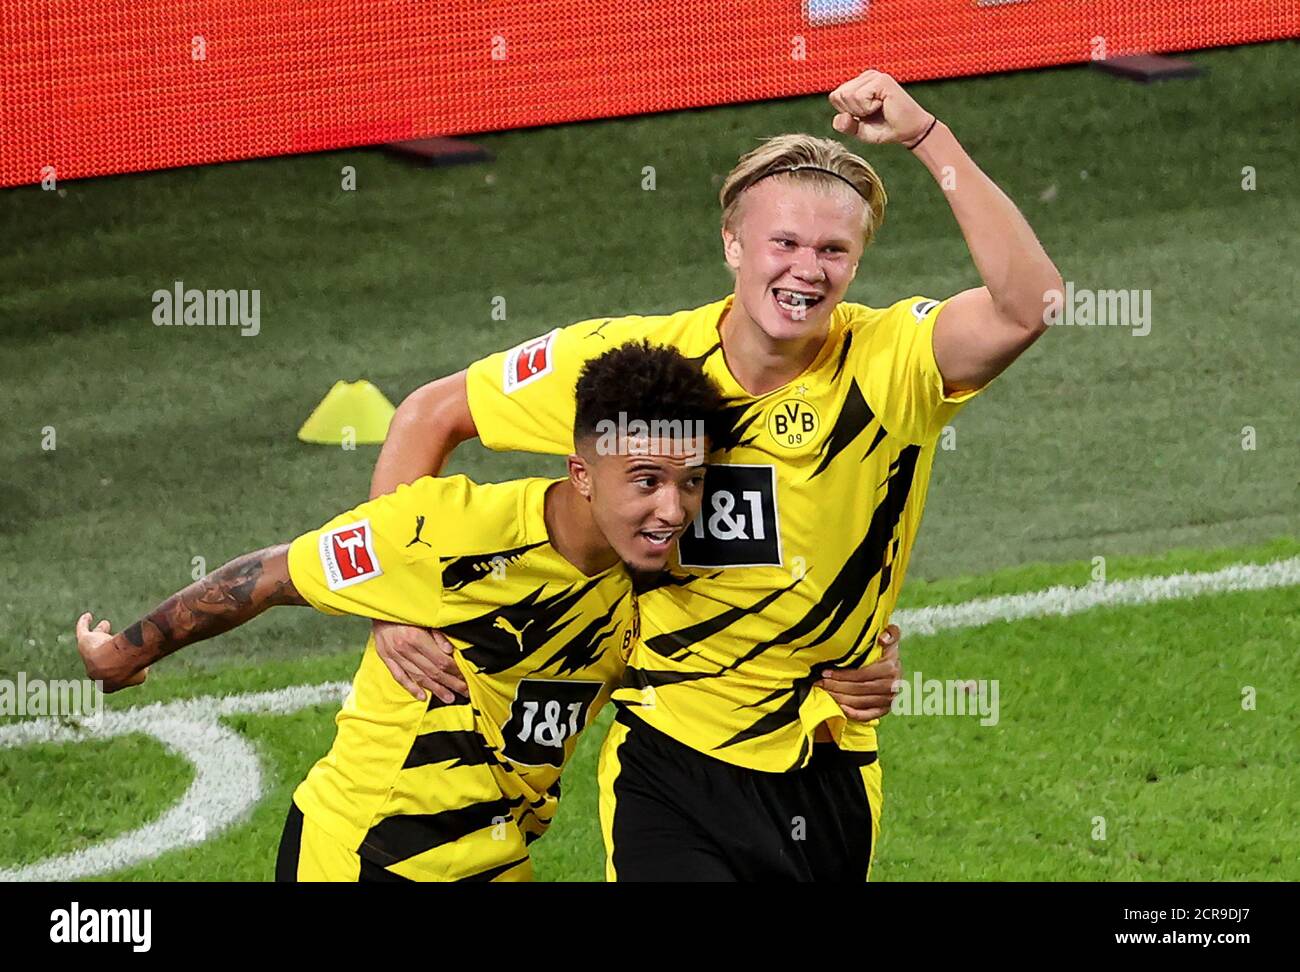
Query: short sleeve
[376, 561]
[899, 375]
[523, 399]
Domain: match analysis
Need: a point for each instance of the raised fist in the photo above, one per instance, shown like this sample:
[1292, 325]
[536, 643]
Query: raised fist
[875, 108]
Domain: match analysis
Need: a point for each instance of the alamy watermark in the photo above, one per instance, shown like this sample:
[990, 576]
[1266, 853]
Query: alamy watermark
[679, 437]
[1082, 307]
[25, 697]
[78, 925]
[208, 308]
[947, 697]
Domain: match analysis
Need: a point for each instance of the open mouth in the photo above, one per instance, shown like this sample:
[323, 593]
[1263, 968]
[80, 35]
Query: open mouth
[795, 302]
[659, 539]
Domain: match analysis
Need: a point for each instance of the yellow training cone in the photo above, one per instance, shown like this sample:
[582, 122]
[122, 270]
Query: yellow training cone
[352, 412]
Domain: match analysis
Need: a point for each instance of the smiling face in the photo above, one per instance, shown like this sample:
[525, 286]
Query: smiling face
[794, 247]
[643, 496]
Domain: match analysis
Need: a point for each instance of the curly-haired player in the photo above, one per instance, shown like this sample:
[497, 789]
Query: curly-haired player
[532, 579]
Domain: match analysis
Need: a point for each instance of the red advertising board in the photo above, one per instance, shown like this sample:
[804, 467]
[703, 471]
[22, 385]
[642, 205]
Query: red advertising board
[97, 86]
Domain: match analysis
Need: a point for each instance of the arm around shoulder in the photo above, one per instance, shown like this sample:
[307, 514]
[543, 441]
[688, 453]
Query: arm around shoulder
[428, 425]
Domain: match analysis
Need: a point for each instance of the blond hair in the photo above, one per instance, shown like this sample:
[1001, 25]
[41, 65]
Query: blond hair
[781, 151]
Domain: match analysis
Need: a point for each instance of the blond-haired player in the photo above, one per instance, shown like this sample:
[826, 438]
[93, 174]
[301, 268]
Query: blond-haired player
[728, 758]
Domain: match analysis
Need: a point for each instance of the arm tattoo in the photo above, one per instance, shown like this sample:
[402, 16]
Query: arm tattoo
[226, 598]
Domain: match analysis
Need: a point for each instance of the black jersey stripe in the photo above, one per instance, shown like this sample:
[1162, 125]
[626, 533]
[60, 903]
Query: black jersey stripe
[643, 678]
[498, 640]
[437, 703]
[881, 432]
[849, 586]
[771, 696]
[464, 746]
[733, 424]
[779, 718]
[370, 872]
[403, 836]
[855, 415]
[466, 569]
[850, 657]
[844, 357]
[674, 645]
[665, 578]
[585, 647]
[492, 873]
[701, 360]
[525, 809]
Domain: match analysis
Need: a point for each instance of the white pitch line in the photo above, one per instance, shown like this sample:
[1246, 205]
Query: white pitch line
[227, 774]
[227, 779]
[1063, 601]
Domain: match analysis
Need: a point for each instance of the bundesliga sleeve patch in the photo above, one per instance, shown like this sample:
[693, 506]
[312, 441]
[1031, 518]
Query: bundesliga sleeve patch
[531, 360]
[348, 555]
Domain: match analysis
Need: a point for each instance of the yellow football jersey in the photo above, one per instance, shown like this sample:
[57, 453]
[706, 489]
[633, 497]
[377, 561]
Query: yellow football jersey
[444, 791]
[810, 511]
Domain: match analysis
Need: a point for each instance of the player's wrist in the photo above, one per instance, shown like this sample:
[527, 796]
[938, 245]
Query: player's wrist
[941, 154]
[918, 137]
[117, 662]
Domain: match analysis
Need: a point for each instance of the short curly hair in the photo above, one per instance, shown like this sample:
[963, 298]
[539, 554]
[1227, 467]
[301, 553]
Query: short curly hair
[649, 382]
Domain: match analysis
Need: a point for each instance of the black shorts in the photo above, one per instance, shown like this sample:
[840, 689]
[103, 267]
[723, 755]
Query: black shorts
[670, 813]
[319, 857]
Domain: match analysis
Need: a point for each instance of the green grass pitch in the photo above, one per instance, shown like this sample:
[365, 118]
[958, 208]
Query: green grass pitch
[177, 443]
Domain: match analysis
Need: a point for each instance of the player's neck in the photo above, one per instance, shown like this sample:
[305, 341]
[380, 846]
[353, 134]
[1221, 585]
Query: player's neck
[759, 363]
[573, 531]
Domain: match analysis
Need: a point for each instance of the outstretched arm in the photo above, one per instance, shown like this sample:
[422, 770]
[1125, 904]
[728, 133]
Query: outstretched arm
[981, 331]
[226, 598]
